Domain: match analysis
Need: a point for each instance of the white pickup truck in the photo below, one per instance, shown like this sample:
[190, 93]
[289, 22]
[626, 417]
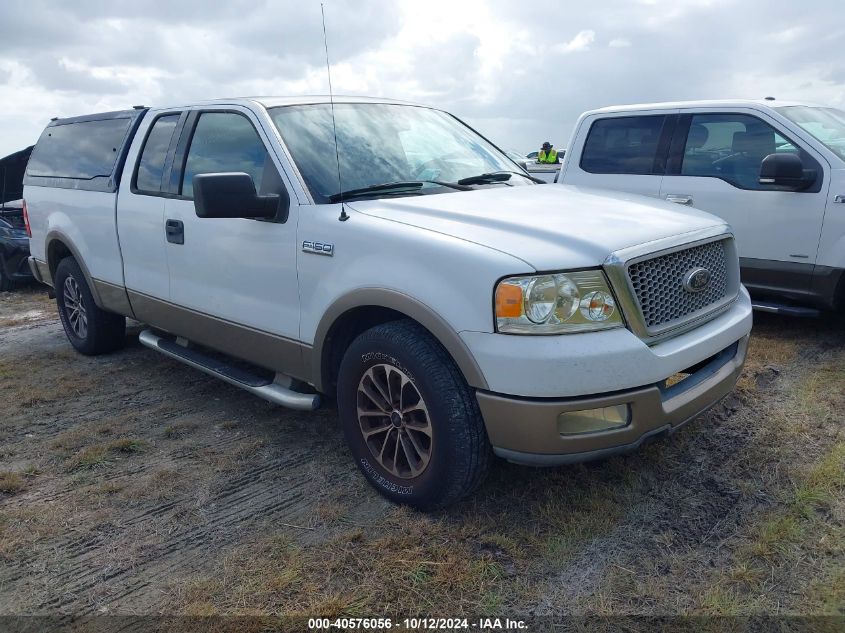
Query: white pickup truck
[774, 170]
[455, 309]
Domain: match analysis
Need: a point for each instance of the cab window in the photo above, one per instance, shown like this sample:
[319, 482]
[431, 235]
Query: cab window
[226, 142]
[732, 147]
[151, 162]
[624, 145]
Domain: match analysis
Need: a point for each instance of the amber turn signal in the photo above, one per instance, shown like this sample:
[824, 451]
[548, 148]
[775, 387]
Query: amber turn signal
[508, 301]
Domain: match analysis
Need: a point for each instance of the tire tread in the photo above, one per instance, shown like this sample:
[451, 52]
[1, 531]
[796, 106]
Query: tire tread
[470, 467]
[106, 330]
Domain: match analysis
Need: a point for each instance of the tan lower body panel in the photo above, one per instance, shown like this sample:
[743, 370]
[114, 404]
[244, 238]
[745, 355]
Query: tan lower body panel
[41, 271]
[255, 346]
[107, 296]
[113, 298]
[526, 430]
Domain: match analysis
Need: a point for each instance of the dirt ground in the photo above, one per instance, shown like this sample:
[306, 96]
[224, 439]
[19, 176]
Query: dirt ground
[130, 484]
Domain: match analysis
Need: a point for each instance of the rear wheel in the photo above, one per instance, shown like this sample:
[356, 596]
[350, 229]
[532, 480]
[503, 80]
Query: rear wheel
[411, 421]
[90, 329]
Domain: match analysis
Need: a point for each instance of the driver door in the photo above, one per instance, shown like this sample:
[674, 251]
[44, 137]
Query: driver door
[235, 277]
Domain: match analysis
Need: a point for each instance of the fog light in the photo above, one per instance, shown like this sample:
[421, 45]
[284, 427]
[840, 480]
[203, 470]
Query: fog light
[593, 420]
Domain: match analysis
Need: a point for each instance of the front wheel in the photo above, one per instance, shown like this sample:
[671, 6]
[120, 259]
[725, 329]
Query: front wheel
[412, 422]
[90, 329]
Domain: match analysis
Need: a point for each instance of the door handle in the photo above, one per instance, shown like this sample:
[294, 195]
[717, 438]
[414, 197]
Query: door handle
[175, 231]
[679, 198]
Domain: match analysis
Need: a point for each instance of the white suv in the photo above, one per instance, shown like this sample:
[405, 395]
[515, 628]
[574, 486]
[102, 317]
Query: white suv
[453, 307]
[774, 170]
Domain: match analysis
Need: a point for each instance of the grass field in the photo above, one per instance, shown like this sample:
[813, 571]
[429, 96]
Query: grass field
[132, 485]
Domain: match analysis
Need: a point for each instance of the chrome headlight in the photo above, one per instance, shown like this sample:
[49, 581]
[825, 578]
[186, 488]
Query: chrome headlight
[557, 303]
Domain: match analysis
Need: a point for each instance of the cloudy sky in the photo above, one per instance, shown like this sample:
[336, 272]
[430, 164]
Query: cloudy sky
[521, 72]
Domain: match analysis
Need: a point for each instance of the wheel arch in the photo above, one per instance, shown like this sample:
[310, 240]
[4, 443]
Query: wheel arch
[59, 246]
[362, 309]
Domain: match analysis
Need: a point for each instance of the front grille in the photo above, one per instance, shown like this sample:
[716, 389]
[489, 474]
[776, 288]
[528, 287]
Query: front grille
[658, 283]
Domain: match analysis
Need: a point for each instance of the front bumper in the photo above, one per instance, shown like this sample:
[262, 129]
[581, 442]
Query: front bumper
[525, 430]
[578, 365]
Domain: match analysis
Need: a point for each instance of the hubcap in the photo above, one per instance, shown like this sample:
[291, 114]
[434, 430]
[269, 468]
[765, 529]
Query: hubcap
[394, 421]
[75, 308]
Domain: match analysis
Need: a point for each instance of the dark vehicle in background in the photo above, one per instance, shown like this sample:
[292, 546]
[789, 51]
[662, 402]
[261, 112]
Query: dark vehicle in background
[14, 241]
[14, 248]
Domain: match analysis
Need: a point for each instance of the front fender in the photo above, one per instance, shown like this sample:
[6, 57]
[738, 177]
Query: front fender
[443, 282]
[407, 305]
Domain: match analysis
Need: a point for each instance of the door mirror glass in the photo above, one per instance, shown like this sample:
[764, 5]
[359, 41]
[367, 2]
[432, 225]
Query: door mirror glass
[232, 195]
[786, 170]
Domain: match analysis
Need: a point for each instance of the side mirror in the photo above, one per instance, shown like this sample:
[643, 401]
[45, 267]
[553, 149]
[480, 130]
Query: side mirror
[232, 195]
[786, 170]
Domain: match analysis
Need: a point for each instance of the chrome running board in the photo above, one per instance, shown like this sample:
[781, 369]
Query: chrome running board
[277, 390]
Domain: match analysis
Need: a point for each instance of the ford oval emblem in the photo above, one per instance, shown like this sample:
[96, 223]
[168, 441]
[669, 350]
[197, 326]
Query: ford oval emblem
[697, 280]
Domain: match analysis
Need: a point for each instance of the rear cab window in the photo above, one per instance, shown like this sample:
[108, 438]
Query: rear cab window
[625, 145]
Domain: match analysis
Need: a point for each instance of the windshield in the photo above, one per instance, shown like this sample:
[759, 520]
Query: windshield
[826, 124]
[383, 143]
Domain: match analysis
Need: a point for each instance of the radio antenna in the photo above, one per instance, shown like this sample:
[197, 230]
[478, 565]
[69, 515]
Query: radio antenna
[343, 216]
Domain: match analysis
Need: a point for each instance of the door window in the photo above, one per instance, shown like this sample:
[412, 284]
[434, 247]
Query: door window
[732, 147]
[624, 145]
[151, 163]
[226, 142]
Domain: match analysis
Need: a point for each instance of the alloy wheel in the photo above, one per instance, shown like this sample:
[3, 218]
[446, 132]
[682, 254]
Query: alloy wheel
[75, 308]
[394, 421]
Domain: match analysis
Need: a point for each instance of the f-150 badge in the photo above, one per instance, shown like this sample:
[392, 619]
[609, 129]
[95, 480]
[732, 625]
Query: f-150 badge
[317, 248]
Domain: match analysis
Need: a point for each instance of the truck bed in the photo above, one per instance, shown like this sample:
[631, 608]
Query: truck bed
[13, 215]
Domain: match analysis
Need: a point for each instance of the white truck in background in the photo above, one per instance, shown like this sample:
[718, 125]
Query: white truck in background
[453, 308]
[775, 171]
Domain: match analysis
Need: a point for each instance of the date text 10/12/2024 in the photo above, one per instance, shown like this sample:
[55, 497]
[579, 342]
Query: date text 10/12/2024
[415, 624]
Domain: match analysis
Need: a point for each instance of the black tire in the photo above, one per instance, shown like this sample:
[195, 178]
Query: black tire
[5, 283]
[459, 451]
[104, 331]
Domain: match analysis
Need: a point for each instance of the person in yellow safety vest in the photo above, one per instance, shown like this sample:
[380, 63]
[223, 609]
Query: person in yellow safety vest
[548, 154]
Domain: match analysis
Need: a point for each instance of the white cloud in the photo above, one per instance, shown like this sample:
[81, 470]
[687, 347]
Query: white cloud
[581, 42]
[619, 42]
[787, 35]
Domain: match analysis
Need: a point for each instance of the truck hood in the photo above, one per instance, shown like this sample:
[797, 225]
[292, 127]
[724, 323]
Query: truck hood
[547, 226]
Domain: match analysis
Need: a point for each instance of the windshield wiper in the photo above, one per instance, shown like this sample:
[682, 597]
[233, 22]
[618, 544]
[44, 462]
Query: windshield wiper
[399, 186]
[495, 176]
